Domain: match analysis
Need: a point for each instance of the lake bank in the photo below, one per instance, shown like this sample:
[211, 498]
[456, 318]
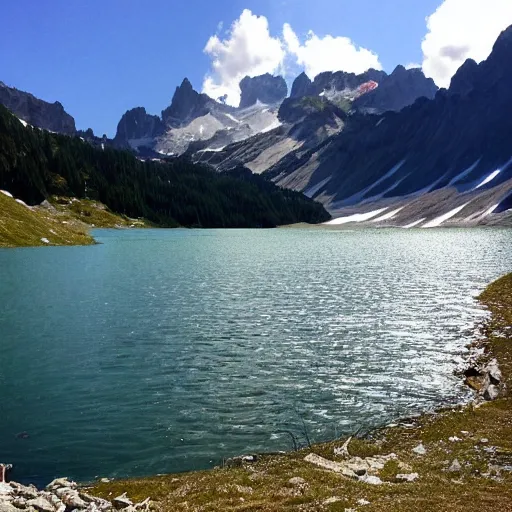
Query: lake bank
[456, 459]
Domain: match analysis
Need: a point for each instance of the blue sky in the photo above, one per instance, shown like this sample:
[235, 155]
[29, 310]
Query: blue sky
[100, 58]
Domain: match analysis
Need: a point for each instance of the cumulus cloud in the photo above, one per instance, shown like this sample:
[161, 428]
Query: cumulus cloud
[318, 54]
[462, 29]
[248, 50]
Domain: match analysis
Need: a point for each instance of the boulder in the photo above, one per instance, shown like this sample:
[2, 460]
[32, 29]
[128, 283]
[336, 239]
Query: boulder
[61, 482]
[41, 504]
[19, 502]
[491, 392]
[371, 480]
[411, 477]
[7, 507]
[122, 502]
[74, 501]
[297, 481]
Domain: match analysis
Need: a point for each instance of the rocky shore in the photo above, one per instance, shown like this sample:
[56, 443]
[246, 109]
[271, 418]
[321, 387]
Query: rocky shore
[61, 495]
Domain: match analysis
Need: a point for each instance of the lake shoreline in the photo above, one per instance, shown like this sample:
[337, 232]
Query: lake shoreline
[448, 431]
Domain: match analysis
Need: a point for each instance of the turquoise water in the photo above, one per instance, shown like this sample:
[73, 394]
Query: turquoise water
[168, 350]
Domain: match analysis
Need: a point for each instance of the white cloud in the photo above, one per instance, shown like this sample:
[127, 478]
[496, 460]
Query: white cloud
[462, 29]
[413, 65]
[249, 49]
[329, 53]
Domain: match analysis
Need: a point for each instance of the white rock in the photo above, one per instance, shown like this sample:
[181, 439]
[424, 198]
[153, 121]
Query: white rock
[5, 506]
[297, 481]
[410, 477]
[420, 450]
[454, 439]
[5, 489]
[371, 480]
[333, 499]
[363, 502]
[315, 459]
[484, 440]
[343, 451]
[491, 392]
[45, 240]
[494, 372]
[5, 193]
[60, 483]
[122, 501]
[41, 504]
[455, 467]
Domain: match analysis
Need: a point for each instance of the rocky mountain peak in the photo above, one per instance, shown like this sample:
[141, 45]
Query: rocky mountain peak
[463, 80]
[136, 126]
[49, 116]
[264, 88]
[186, 104]
[301, 86]
[398, 90]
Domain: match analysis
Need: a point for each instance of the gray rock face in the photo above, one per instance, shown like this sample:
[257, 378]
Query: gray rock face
[41, 504]
[186, 104]
[341, 80]
[462, 81]
[50, 116]
[136, 124]
[265, 88]
[398, 90]
[301, 86]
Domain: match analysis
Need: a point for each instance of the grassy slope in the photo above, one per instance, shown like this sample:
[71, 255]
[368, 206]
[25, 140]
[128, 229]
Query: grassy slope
[21, 227]
[68, 218]
[264, 486]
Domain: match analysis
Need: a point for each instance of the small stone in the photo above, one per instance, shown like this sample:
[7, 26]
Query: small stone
[363, 502]
[244, 489]
[41, 504]
[297, 481]
[420, 449]
[105, 480]
[411, 477]
[484, 440]
[454, 439]
[332, 499]
[122, 502]
[455, 467]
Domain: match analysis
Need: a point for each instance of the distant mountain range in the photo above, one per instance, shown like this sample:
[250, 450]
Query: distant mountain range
[376, 148]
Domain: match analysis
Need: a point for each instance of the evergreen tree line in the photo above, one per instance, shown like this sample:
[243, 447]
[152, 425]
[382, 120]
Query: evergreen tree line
[36, 164]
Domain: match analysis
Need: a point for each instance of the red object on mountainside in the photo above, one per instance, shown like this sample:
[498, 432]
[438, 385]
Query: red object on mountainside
[367, 87]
